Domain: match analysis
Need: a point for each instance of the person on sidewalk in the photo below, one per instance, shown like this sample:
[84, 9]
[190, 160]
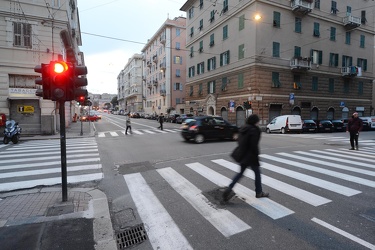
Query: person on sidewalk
[161, 120]
[354, 126]
[248, 144]
[128, 124]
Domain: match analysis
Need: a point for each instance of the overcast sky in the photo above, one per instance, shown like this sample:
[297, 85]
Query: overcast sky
[113, 30]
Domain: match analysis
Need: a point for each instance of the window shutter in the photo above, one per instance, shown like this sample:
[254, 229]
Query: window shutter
[228, 57]
[320, 57]
[350, 61]
[364, 65]
[214, 86]
[174, 86]
[221, 59]
[208, 87]
[208, 64]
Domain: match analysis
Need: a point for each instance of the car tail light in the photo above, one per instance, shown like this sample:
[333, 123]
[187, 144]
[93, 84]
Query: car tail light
[194, 128]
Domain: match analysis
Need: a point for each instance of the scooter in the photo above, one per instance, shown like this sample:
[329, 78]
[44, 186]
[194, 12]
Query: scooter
[12, 132]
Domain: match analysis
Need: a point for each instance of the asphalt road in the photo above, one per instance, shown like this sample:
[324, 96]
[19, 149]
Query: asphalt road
[322, 194]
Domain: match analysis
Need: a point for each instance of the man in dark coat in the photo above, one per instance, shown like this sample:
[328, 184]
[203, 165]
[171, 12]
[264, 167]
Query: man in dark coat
[355, 125]
[161, 120]
[248, 143]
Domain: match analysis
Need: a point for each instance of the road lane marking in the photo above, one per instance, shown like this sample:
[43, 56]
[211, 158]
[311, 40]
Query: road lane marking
[113, 133]
[293, 191]
[23, 153]
[264, 205]
[37, 158]
[224, 221]
[162, 230]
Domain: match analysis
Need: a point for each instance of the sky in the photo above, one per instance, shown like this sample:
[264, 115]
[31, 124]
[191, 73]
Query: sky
[113, 31]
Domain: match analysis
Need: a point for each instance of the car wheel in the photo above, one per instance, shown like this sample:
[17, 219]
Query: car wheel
[199, 138]
[235, 136]
[283, 130]
[268, 131]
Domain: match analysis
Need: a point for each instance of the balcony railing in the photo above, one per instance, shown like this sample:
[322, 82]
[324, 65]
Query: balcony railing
[301, 6]
[351, 22]
[349, 71]
[155, 82]
[162, 39]
[162, 65]
[163, 92]
[148, 64]
[300, 63]
[149, 85]
[155, 58]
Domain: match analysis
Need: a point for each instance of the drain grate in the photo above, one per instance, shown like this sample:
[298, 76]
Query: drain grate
[131, 236]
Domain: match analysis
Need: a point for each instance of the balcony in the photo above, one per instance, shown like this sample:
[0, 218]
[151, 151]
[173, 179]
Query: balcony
[162, 66]
[301, 6]
[155, 58]
[300, 63]
[162, 39]
[351, 22]
[349, 71]
[149, 85]
[155, 82]
[149, 64]
[163, 92]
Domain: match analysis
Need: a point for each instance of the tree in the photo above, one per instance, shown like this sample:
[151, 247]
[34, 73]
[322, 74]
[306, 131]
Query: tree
[114, 101]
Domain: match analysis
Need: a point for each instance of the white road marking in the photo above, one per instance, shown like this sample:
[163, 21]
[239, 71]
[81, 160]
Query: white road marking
[113, 133]
[47, 158]
[40, 153]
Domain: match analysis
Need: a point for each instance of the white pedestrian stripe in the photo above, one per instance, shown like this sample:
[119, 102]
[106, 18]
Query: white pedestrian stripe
[49, 158]
[40, 153]
[264, 205]
[148, 131]
[137, 131]
[101, 134]
[223, 220]
[113, 133]
[163, 231]
[170, 130]
[348, 155]
[293, 191]
[355, 153]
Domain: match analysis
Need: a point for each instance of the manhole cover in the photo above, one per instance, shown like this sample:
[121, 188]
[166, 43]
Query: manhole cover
[131, 236]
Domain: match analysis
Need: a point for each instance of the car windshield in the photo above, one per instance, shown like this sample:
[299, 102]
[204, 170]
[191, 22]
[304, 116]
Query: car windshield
[308, 121]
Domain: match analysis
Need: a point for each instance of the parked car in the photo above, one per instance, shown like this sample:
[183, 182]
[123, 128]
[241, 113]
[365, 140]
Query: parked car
[309, 126]
[338, 126]
[325, 126]
[172, 118]
[203, 128]
[285, 123]
[180, 119]
[345, 121]
[366, 121]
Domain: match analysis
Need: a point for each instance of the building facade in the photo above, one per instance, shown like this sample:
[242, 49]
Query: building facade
[165, 69]
[130, 85]
[313, 58]
[35, 32]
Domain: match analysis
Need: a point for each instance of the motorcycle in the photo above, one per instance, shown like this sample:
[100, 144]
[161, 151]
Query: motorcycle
[12, 132]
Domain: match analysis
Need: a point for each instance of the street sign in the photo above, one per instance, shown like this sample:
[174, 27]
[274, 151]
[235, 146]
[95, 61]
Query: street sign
[25, 109]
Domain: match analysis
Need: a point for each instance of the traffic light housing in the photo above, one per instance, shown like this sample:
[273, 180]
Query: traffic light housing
[79, 81]
[61, 82]
[247, 104]
[44, 81]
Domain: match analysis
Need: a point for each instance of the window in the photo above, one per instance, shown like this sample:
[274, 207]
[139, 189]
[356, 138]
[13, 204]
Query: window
[317, 4]
[200, 4]
[363, 17]
[241, 51]
[346, 86]
[314, 83]
[275, 80]
[225, 6]
[191, 31]
[211, 87]
[360, 88]
[212, 40]
[316, 56]
[297, 51]
[298, 24]
[191, 92]
[178, 32]
[211, 63]
[178, 100]
[212, 18]
[275, 49]
[297, 82]
[240, 81]
[331, 85]
[191, 51]
[22, 35]
[192, 71]
[224, 83]
[178, 73]
[200, 90]
[201, 46]
[224, 58]
[276, 19]
[347, 37]
[347, 61]
[178, 45]
[333, 59]
[348, 11]
[362, 63]
[332, 35]
[362, 41]
[225, 32]
[177, 86]
[200, 24]
[241, 22]
[316, 30]
[334, 9]
[191, 12]
[177, 60]
[200, 68]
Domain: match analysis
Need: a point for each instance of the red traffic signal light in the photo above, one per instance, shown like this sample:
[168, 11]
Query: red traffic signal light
[61, 82]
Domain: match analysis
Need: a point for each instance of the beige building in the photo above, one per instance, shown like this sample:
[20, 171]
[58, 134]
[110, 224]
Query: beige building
[164, 58]
[129, 85]
[307, 57]
[30, 34]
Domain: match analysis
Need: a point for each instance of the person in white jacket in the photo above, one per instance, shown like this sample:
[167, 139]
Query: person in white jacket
[128, 124]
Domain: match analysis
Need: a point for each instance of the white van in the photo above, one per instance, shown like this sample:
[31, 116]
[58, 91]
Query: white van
[285, 123]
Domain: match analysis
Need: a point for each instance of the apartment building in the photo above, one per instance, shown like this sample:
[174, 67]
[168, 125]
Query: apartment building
[164, 79]
[307, 57]
[130, 85]
[31, 33]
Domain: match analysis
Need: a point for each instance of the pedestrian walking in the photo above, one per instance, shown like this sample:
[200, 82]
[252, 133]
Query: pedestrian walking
[128, 124]
[247, 155]
[161, 120]
[354, 126]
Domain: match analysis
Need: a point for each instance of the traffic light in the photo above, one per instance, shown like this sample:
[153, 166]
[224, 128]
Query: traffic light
[247, 105]
[79, 81]
[45, 81]
[61, 82]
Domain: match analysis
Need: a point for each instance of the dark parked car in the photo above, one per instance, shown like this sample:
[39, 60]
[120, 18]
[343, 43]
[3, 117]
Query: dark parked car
[309, 126]
[338, 126]
[182, 118]
[172, 118]
[345, 121]
[366, 123]
[203, 128]
[325, 126]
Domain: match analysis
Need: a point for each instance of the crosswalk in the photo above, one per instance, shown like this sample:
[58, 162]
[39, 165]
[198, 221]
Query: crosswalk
[137, 132]
[314, 177]
[33, 163]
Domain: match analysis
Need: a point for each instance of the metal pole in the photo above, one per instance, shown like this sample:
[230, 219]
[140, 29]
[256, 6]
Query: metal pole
[81, 125]
[64, 182]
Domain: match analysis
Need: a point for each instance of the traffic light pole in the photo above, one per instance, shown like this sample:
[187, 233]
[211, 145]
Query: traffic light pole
[64, 182]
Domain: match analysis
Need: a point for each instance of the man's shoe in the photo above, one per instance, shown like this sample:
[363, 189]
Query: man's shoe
[262, 194]
[227, 195]
[351, 148]
[356, 148]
